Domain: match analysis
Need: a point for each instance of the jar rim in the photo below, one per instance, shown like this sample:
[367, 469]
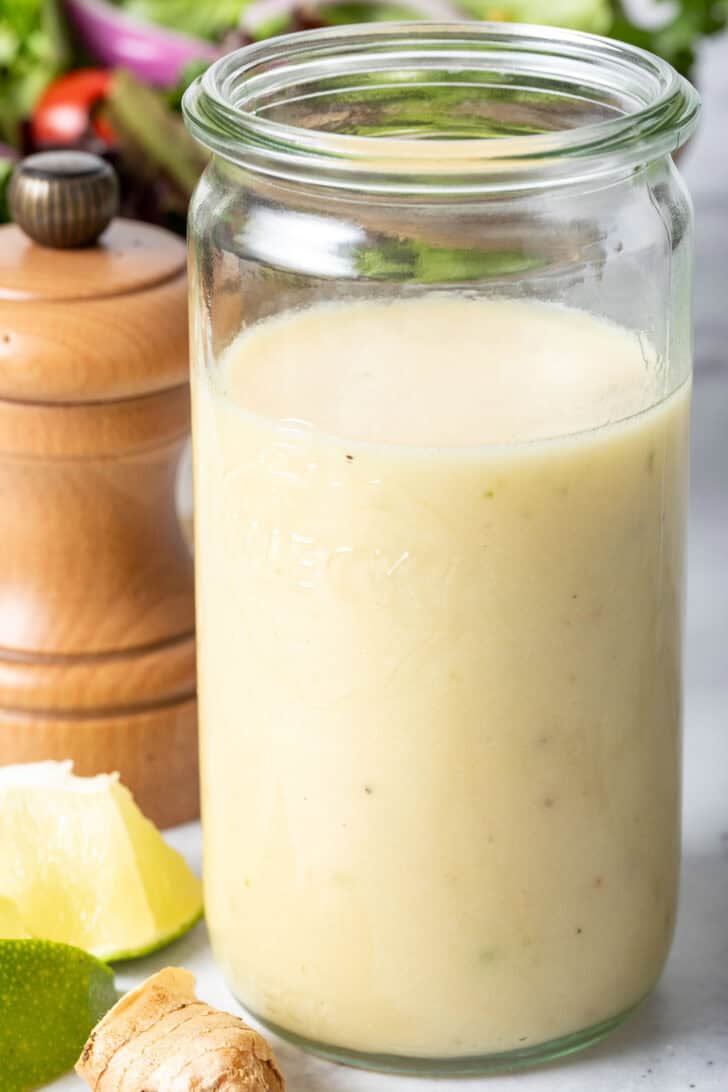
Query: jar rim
[649, 108]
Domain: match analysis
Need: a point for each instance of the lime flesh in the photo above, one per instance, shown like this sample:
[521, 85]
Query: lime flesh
[51, 996]
[84, 867]
[11, 923]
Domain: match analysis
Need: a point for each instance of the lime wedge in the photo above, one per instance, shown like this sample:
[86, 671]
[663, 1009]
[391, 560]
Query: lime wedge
[51, 996]
[85, 867]
[11, 923]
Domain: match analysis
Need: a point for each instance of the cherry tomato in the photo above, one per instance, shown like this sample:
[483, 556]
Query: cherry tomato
[64, 113]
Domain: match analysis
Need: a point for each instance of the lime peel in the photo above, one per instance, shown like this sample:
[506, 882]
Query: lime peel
[51, 996]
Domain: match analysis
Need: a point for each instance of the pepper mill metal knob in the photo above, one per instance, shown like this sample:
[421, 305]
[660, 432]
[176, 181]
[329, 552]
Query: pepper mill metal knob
[63, 199]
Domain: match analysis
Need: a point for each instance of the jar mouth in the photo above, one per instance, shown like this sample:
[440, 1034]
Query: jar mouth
[444, 107]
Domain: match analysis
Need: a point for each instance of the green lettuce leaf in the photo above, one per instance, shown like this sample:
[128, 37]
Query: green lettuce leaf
[677, 35]
[396, 259]
[6, 169]
[200, 18]
[33, 50]
[592, 15]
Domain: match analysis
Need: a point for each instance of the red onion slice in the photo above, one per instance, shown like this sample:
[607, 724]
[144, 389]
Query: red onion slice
[154, 54]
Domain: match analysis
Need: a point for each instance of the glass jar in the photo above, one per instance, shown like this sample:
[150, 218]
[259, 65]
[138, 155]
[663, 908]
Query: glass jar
[441, 338]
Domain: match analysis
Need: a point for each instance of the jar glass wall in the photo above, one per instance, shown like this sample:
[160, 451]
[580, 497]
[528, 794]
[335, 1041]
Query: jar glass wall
[440, 285]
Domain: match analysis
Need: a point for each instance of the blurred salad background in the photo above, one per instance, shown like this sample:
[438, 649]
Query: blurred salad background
[108, 75]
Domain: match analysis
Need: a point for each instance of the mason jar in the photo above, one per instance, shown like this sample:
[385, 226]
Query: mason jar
[441, 352]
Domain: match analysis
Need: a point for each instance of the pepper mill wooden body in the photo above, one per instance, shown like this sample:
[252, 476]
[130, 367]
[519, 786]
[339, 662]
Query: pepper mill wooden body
[96, 584]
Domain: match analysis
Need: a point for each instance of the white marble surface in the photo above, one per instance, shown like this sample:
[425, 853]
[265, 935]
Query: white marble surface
[679, 1039]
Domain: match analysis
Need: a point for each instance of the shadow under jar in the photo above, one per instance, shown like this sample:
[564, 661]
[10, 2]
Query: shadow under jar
[440, 283]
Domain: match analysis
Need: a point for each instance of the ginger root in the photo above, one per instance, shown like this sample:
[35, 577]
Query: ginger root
[162, 1038]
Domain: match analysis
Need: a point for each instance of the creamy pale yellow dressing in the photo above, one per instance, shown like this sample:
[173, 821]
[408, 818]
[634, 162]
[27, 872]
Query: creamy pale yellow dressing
[439, 671]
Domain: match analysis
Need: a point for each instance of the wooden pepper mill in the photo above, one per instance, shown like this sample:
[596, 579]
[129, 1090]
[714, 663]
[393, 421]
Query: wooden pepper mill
[97, 655]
